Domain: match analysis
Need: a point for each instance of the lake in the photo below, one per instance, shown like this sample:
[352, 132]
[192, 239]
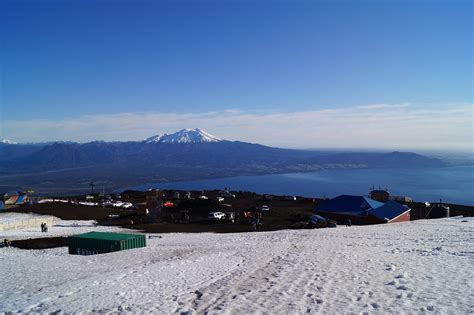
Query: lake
[453, 184]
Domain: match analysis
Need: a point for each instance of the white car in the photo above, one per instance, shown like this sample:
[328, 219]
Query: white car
[220, 199]
[228, 195]
[127, 205]
[265, 208]
[203, 197]
[108, 204]
[216, 216]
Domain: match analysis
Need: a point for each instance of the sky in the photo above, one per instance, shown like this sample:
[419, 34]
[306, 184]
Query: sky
[299, 74]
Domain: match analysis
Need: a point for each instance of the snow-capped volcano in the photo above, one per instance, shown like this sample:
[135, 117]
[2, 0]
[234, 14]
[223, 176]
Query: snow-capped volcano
[6, 141]
[184, 136]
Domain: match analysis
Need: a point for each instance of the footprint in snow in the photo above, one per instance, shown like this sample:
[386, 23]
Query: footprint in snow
[375, 305]
[198, 294]
[402, 276]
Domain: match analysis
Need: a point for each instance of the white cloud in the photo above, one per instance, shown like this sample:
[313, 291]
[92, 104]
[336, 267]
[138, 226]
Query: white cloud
[384, 126]
[384, 106]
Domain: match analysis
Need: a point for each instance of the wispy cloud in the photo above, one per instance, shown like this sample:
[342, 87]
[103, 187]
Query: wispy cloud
[387, 126]
[384, 106]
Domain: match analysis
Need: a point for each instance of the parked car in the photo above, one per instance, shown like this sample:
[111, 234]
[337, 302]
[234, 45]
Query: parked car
[317, 221]
[228, 195]
[265, 208]
[127, 205]
[168, 204]
[203, 197]
[107, 204]
[220, 199]
[216, 216]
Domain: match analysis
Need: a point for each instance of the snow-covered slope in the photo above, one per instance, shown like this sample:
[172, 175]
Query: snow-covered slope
[184, 136]
[410, 268]
[6, 141]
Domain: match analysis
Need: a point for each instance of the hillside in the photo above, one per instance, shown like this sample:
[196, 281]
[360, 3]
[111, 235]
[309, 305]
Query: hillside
[192, 154]
[394, 268]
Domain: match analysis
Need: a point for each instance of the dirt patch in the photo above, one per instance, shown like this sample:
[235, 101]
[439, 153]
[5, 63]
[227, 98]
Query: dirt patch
[40, 243]
[282, 215]
[284, 212]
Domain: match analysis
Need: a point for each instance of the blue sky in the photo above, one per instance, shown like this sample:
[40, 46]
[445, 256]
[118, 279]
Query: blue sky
[64, 62]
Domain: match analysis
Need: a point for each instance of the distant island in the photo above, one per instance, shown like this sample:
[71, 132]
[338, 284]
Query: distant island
[188, 154]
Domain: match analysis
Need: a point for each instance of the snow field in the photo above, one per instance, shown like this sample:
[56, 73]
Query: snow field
[24, 221]
[413, 267]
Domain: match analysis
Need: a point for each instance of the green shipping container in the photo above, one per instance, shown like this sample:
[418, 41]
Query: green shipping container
[103, 242]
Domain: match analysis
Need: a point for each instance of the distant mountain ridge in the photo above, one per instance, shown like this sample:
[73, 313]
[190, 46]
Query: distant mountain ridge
[186, 155]
[6, 141]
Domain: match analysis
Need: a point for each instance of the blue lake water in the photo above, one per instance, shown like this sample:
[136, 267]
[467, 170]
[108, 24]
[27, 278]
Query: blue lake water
[453, 184]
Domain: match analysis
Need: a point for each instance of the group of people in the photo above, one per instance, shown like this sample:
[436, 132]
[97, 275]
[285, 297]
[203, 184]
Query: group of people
[44, 227]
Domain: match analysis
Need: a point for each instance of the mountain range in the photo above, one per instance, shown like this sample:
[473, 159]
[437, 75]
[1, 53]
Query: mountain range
[185, 155]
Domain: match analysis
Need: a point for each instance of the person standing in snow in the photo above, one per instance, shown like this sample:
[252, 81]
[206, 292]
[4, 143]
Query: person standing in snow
[253, 225]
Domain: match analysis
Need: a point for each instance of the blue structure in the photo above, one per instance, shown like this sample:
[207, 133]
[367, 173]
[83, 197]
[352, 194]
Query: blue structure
[389, 211]
[1, 205]
[349, 205]
[21, 199]
[362, 210]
